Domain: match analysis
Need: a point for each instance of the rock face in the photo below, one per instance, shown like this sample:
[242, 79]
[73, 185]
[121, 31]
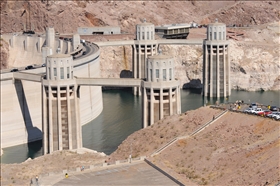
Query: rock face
[254, 58]
[4, 54]
[255, 61]
[66, 16]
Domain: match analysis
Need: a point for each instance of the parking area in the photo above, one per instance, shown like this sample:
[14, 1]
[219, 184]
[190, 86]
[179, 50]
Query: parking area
[129, 174]
[253, 109]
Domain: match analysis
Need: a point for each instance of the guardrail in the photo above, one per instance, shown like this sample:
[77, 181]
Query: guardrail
[208, 123]
[192, 134]
[165, 146]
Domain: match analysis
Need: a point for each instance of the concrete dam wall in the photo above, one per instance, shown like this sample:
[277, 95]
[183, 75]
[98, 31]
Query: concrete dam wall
[21, 101]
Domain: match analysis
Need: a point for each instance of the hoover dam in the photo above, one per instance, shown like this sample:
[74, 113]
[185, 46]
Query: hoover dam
[21, 101]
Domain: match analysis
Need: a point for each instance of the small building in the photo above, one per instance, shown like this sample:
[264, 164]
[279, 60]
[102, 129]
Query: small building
[174, 31]
[99, 30]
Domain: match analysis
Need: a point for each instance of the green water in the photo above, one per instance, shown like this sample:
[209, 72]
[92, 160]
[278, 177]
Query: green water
[122, 115]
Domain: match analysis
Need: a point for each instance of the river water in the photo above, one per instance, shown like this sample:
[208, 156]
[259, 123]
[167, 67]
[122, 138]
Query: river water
[122, 115]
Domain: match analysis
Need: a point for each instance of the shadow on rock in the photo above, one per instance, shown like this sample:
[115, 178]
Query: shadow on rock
[194, 83]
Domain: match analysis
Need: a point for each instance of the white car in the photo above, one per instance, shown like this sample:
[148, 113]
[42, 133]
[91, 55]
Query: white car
[276, 115]
[248, 110]
[257, 110]
[272, 114]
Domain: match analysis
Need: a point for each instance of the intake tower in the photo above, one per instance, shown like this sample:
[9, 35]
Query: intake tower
[216, 63]
[61, 119]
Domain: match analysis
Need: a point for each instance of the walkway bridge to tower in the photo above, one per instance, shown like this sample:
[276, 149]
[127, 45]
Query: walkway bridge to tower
[162, 42]
[28, 76]
[115, 82]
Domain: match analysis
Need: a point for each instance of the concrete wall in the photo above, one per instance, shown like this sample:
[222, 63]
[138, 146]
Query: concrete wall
[21, 103]
[27, 50]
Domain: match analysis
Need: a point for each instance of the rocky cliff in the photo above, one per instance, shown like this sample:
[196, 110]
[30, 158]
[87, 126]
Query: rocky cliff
[254, 57]
[4, 53]
[254, 60]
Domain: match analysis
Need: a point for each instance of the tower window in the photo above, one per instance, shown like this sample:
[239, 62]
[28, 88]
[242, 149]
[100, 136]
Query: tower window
[54, 72]
[148, 35]
[61, 73]
[220, 35]
[157, 73]
[215, 35]
[151, 74]
[68, 71]
[143, 35]
[164, 74]
[170, 74]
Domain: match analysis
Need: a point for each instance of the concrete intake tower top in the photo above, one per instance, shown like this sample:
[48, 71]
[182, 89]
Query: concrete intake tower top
[145, 31]
[59, 67]
[216, 31]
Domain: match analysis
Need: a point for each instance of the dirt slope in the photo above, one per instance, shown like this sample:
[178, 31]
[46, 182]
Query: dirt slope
[237, 149]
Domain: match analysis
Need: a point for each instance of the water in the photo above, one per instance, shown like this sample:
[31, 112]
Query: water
[122, 115]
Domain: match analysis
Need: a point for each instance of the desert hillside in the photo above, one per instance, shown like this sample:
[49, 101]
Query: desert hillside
[237, 149]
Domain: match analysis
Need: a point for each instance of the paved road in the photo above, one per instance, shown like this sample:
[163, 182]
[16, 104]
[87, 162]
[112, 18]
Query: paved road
[130, 174]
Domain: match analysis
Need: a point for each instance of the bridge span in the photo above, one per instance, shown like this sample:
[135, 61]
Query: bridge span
[27, 76]
[115, 82]
[162, 41]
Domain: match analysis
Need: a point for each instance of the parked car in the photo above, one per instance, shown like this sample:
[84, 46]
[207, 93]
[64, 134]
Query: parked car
[257, 110]
[253, 105]
[84, 52]
[264, 113]
[272, 114]
[276, 115]
[273, 108]
[29, 67]
[248, 110]
[44, 64]
[14, 70]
